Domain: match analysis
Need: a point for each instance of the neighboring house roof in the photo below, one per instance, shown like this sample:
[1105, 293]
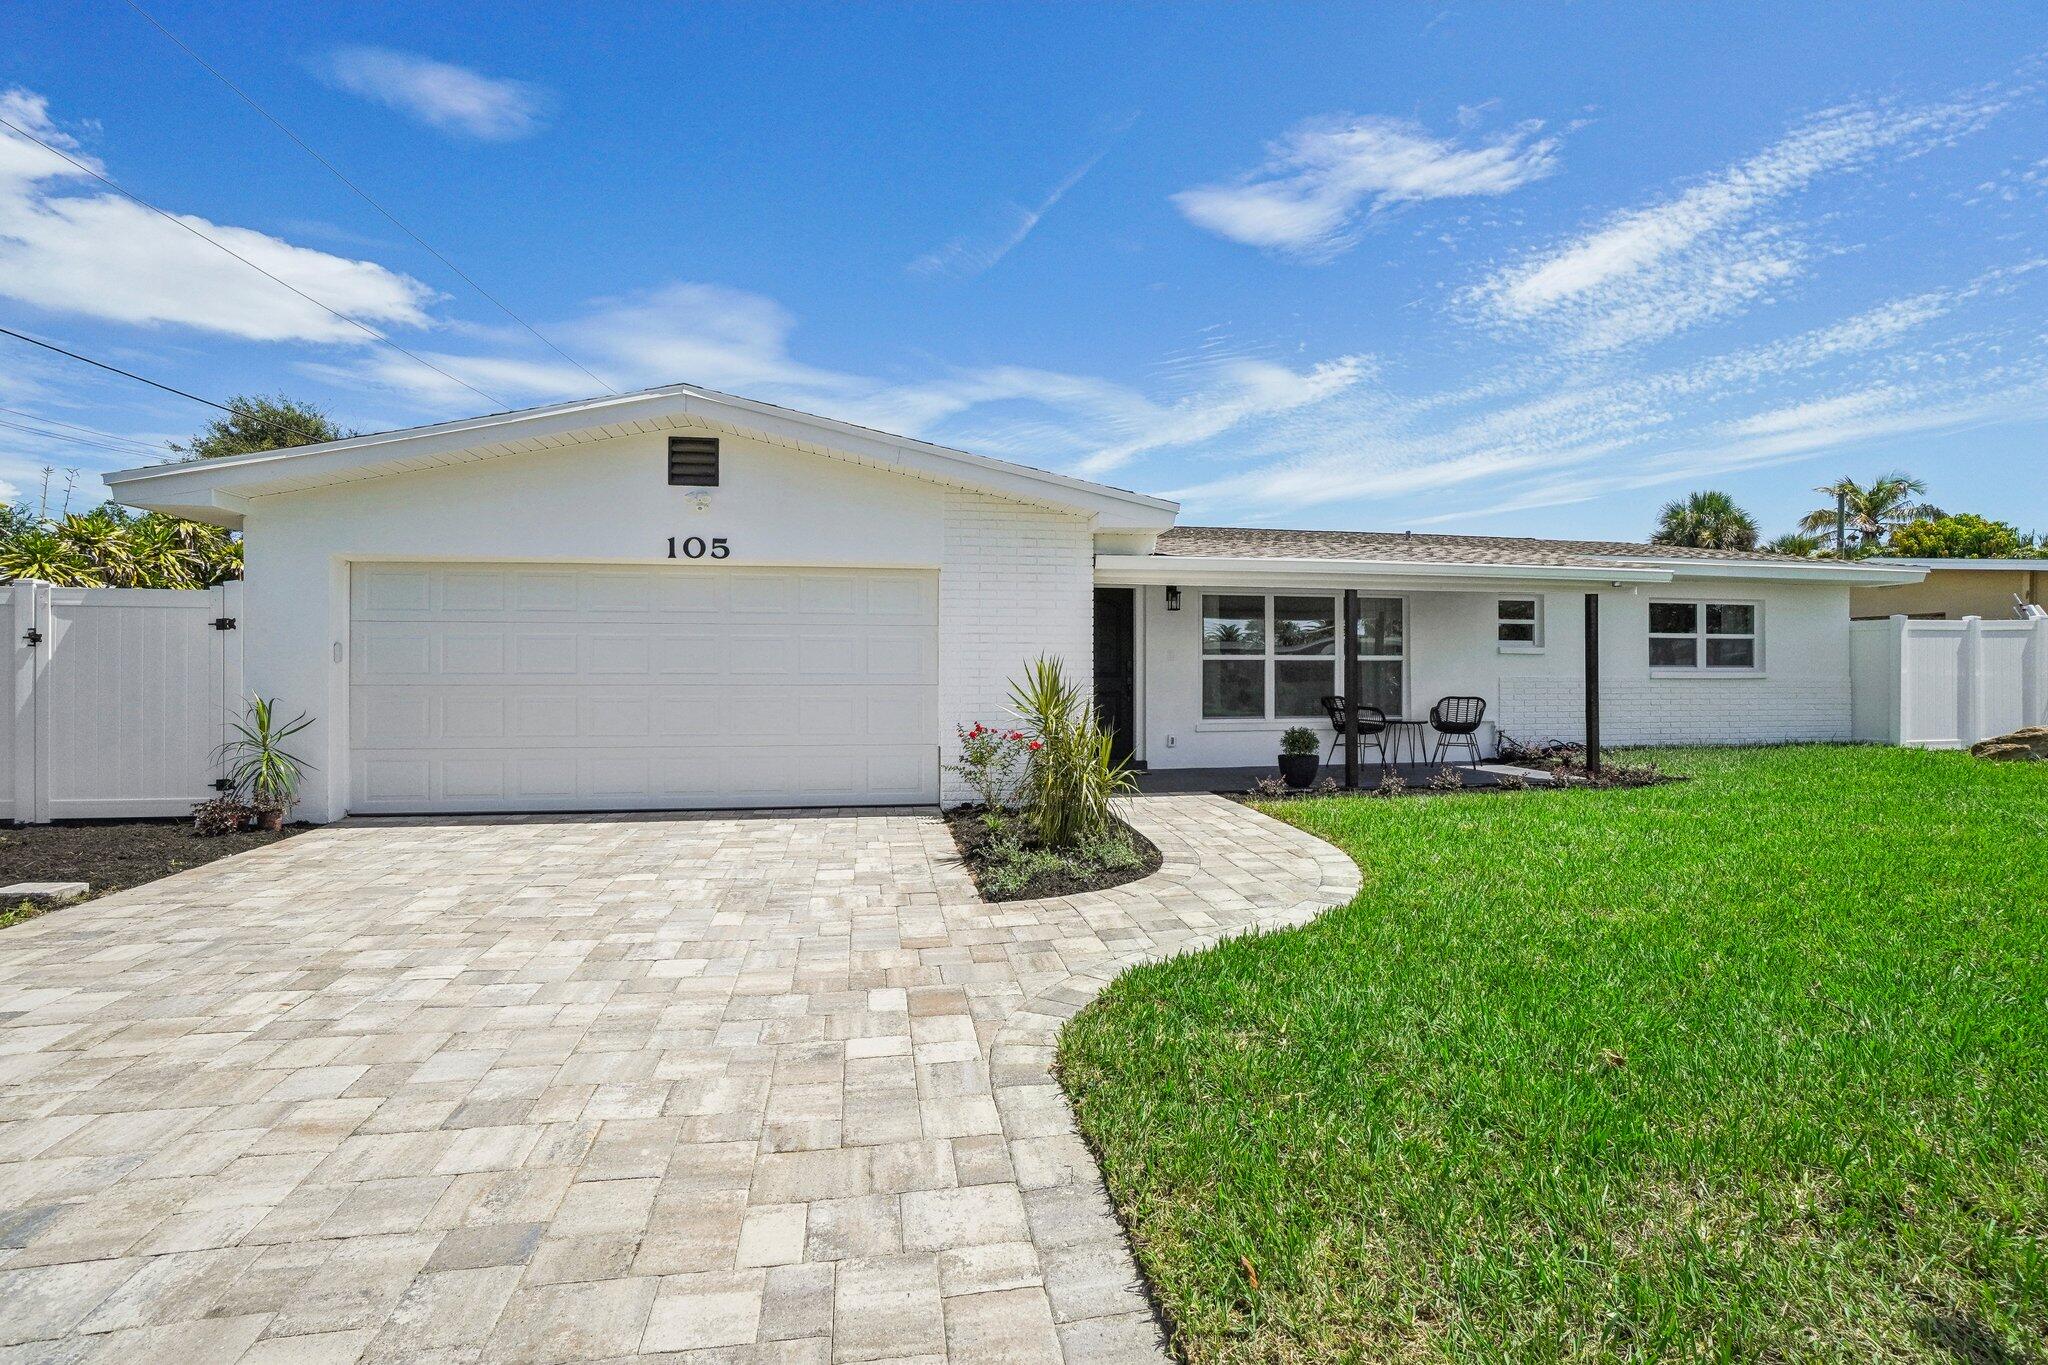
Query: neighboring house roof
[217, 490]
[1240, 542]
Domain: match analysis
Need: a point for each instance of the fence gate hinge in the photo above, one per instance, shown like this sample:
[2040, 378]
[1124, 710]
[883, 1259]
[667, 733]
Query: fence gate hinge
[223, 623]
[223, 784]
[33, 638]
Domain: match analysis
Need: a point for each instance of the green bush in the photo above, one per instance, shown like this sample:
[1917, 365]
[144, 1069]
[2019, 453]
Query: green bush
[1299, 739]
[1070, 776]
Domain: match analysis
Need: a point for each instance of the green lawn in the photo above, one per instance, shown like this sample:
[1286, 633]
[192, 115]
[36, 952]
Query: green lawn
[1750, 1066]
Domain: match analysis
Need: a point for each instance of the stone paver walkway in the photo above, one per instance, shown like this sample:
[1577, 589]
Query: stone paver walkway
[714, 1088]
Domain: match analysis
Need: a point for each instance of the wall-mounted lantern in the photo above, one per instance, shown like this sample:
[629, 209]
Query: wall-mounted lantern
[1173, 599]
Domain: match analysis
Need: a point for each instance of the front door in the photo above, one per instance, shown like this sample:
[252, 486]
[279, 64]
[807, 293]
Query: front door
[1116, 663]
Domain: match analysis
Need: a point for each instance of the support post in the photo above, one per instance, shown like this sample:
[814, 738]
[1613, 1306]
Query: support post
[1593, 682]
[1351, 689]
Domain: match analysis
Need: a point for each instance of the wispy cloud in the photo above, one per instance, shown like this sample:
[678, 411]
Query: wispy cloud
[453, 99]
[1325, 179]
[730, 339]
[971, 255]
[67, 247]
[1712, 250]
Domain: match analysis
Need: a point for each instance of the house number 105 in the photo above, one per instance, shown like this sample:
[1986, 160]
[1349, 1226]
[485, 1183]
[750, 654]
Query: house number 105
[696, 547]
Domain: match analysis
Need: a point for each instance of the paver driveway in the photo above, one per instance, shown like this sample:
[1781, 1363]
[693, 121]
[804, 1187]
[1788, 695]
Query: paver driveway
[767, 1088]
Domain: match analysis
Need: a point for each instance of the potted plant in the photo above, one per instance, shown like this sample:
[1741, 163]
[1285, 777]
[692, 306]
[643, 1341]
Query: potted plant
[1300, 756]
[265, 774]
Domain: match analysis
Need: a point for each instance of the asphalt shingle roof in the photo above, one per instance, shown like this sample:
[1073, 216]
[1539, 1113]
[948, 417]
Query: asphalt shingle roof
[1246, 542]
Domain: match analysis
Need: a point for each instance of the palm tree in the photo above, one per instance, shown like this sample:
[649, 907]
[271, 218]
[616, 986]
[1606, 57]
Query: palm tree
[1870, 514]
[1705, 521]
[1798, 543]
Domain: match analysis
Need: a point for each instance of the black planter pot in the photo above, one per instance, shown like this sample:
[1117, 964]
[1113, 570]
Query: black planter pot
[1299, 769]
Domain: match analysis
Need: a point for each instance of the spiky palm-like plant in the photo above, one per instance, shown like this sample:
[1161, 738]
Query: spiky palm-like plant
[1705, 520]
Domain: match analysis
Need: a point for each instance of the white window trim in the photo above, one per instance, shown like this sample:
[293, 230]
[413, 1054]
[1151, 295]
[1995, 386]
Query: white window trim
[1701, 668]
[1270, 721]
[1535, 646]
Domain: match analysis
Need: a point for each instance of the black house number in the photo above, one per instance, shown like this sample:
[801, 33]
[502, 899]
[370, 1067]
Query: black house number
[696, 547]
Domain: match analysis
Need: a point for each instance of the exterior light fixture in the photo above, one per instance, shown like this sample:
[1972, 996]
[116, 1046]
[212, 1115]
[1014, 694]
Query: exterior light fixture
[1173, 599]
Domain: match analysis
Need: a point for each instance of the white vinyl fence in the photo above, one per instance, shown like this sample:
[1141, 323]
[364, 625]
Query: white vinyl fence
[1946, 684]
[121, 697]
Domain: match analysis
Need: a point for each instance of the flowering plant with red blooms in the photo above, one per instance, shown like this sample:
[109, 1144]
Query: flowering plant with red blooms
[990, 760]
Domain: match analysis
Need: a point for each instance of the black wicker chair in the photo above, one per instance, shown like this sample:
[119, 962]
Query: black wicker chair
[1372, 727]
[1456, 722]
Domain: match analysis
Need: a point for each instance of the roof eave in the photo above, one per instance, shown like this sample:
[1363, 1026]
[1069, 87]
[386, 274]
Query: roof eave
[1149, 570]
[297, 468]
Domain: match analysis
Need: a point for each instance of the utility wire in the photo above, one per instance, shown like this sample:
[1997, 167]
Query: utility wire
[243, 413]
[60, 436]
[135, 441]
[364, 195]
[169, 217]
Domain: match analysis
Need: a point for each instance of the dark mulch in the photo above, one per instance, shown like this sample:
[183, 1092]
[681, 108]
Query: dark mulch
[113, 855]
[973, 839]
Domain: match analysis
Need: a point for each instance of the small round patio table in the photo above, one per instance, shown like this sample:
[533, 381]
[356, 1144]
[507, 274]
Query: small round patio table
[1413, 731]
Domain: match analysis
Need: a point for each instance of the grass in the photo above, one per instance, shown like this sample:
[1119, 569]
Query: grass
[1748, 1067]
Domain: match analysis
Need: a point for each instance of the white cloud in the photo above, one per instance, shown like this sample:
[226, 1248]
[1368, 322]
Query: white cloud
[67, 249]
[1710, 251]
[441, 95]
[1322, 178]
[733, 340]
[973, 255]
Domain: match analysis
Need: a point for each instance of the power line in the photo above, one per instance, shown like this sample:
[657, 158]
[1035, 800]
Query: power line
[364, 195]
[135, 441]
[169, 217]
[243, 413]
[76, 440]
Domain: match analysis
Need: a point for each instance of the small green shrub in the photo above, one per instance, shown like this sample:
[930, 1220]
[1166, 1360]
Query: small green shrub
[1298, 740]
[1071, 775]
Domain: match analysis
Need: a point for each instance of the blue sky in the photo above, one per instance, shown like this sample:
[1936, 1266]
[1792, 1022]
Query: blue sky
[1507, 269]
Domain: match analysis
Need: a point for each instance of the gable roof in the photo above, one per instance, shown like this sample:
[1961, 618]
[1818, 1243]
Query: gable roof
[217, 490]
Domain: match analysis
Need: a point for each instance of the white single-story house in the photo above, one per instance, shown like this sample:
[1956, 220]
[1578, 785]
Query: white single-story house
[679, 598]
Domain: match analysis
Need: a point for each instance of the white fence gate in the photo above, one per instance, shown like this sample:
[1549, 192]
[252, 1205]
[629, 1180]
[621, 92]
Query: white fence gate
[1946, 684]
[121, 697]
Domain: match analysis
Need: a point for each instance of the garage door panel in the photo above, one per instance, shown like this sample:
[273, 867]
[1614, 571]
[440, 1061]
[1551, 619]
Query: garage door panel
[535, 687]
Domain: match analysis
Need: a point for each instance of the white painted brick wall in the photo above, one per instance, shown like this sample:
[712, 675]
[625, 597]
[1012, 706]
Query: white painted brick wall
[1016, 582]
[1678, 710]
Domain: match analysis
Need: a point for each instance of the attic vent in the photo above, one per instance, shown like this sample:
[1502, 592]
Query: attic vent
[693, 461]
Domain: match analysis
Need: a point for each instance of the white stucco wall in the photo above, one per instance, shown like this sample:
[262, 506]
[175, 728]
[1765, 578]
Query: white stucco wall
[1014, 579]
[1801, 692]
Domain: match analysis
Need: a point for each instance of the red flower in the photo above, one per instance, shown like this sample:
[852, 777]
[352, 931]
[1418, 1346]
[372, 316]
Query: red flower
[1016, 734]
[1036, 746]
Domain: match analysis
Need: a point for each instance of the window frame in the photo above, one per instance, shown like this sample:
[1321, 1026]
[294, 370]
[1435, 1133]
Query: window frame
[1534, 645]
[1273, 655]
[1699, 667]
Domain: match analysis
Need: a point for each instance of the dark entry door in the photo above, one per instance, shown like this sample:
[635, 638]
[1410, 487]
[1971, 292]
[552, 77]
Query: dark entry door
[1116, 666]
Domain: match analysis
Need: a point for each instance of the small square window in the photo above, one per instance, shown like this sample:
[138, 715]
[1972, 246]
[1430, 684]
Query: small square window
[1519, 622]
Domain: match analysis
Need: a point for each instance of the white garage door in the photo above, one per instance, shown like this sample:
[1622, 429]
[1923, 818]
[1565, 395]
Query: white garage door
[484, 687]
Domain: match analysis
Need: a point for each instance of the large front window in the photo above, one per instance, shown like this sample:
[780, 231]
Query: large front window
[1274, 657]
[1705, 635]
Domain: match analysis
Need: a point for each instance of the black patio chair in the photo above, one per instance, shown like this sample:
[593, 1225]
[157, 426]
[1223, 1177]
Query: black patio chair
[1372, 727]
[1456, 722]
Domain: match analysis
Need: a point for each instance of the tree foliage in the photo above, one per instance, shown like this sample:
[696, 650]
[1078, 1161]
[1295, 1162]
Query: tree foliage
[1798, 543]
[1961, 536]
[111, 547]
[262, 423]
[1705, 520]
[1873, 511]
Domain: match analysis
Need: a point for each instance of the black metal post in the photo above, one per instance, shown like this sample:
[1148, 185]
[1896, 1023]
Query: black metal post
[1351, 689]
[1592, 682]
